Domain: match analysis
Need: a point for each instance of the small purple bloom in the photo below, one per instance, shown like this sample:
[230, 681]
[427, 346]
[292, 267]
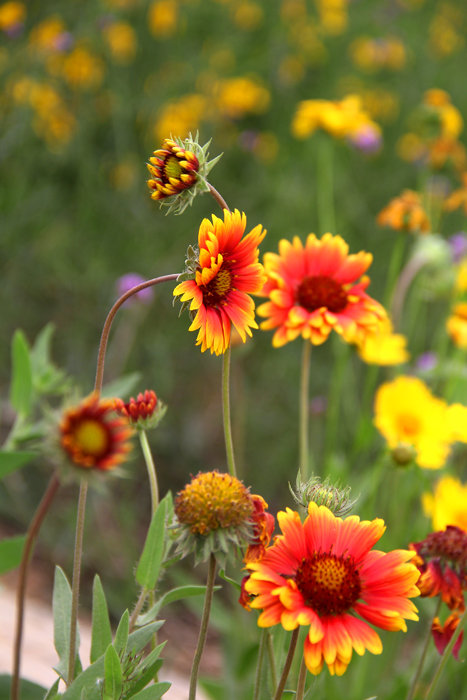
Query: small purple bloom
[458, 244]
[426, 361]
[367, 139]
[130, 280]
[63, 42]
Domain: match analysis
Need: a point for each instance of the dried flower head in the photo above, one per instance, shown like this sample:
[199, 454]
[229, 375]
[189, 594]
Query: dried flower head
[93, 436]
[144, 412]
[179, 170]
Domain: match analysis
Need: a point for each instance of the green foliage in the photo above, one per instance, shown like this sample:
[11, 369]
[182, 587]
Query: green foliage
[101, 632]
[61, 604]
[154, 550]
[21, 389]
[12, 460]
[29, 690]
[11, 549]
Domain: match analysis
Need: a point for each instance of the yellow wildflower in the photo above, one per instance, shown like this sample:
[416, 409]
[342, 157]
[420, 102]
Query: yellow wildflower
[461, 276]
[12, 16]
[405, 213]
[456, 325]
[340, 119]
[237, 97]
[247, 15]
[448, 504]
[49, 35]
[163, 18]
[383, 347]
[180, 117]
[458, 198]
[82, 69]
[121, 38]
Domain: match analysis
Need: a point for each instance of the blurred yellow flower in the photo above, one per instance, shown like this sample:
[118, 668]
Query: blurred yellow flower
[340, 119]
[236, 97]
[121, 39]
[332, 16]
[450, 119]
[375, 54]
[12, 16]
[180, 117]
[456, 325]
[49, 35]
[163, 18]
[291, 70]
[405, 213]
[247, 15]
[82, 69]
[458, 198]
[410, 417]
[445, 38]
[384, 347]
[447, 505]
[461, 276]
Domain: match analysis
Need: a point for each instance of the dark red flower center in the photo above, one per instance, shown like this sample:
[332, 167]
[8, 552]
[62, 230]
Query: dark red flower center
[329, 584]
[449, 544]
[218, 287]
[318, 291]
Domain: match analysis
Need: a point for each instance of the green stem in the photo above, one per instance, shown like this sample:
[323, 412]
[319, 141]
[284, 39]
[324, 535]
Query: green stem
[418, 670]
[335, 396]
[301, 681]
[83, 490]
[395, 265]
[444, 658]
[325, 184]
[406, 277]
[148, 458]
[287, 665]
[304, 411]
[30, 540]
[226, 412]
[272, 659]
[137, 609]
[259, 665]
[218, 197]
[110, 317]
[204, 627]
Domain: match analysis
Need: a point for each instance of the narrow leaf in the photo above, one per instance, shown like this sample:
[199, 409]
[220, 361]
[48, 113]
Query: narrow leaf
[121, 635]
[151, 558]
[154, 692]
[11, 461]
[113, 677]
[21, 380]
[11, 549]
[147, 669]
[170, 597]
[139, 638]
[90, 681]
[101, 633]
[61, 605]
[53, 693]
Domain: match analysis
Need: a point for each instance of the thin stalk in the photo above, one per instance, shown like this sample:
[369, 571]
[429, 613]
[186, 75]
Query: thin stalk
[204, 627]
[31, 536]
[287, 665]
[259, 665]
[83, 490]
[301, 681]
[148, 458]
[421, 661]
[272, 659]
[226, 412]
[110, 318]
[395, 265]
[137, 609]
[335, 396]
[325, 186]
[444, 658]
[218, 197]
[304, 411]
[406, 277]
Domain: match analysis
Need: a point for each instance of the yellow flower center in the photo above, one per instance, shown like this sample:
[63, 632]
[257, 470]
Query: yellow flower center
[329, 584]
[317, 291]
[212, 501]
[408, 425]
[218, 287]
[172, 167]
[91, 438]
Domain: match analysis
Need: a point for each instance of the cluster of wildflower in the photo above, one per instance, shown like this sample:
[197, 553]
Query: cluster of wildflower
[376, 54]
[417, 425]
[343, 119]
[405, 213]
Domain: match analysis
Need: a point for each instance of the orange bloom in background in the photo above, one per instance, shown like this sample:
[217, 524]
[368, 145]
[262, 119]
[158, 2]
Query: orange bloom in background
[405, 213]
[456, 325]
[314, 289]
[323, 573]
[442, 634]
[93, 436]
[227, 272]
[458, 198]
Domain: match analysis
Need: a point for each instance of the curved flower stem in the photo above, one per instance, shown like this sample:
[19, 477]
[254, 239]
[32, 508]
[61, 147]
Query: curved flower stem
[421, 661]
[287, 665]
[259, 665]
[226, 412]
[137, 609]
[148, 458]
[110, 318]
[204, 627]
[444, 658]
[218, 197]
[304, 411]
[83, 490]
[301, 681]
[31, 537]
[406, 277]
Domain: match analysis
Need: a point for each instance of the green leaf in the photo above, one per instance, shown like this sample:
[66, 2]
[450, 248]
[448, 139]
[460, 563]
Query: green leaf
[21, 379]
[121, 635]
[154, 692]
[11, 549]
[113, 677]
[29, 690]
[170, 597]
[46, 377]
[11, 461]
[101, 633]
[146, 671]
[53, 693]
[139, 638]
[121, 387]
[90, 681]
[61, 605]
[153, 552]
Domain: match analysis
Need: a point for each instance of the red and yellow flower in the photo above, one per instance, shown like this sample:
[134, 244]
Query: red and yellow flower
[314, 289]
[173, 169]
[323, 574]
[93, 436]
[227, 272]
[143, 412]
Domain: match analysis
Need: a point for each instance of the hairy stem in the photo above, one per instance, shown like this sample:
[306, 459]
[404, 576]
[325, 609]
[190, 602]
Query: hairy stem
[110, 318]
[301, 681]
[83, 490]
[259, 664]
[137, 609]
[218, 197]
[31, 537]
[204, 627]
[148, 458]
[287, 665]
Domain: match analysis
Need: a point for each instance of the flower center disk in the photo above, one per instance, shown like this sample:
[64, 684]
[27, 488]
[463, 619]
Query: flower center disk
[218, 287]
[91, 438]
[329, 584]
[317, 291]
[172, 168]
